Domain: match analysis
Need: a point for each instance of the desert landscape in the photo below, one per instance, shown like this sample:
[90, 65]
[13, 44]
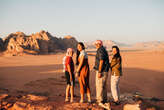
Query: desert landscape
[33, 79]
[34, 38]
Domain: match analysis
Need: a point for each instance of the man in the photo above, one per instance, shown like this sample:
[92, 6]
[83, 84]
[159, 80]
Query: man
[102, 67]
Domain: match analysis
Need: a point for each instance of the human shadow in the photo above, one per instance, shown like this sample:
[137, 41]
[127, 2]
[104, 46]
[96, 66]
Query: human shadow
[148, 82]
[23, 74]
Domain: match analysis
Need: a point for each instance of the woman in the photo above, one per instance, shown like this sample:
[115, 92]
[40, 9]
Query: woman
[116, 68]
[69, 73]
[83, 72]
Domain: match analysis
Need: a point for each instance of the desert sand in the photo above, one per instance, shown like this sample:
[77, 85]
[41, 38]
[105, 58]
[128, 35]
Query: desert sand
[143, 72]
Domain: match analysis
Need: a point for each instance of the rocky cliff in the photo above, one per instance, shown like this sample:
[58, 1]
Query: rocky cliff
[1, 45]
[39, 43]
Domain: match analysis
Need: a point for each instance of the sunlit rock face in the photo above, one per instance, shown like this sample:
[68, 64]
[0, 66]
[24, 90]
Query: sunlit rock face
[39, 43]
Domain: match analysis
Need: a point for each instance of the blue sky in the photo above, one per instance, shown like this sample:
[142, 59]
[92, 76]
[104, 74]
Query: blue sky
[126, 21]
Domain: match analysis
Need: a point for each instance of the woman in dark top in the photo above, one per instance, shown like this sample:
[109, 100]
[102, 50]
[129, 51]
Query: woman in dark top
[116, 68]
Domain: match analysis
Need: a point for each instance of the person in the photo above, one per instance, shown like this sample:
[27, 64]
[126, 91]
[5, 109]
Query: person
[102, 67]
[83, 72]
[116, 72]
[69, 74]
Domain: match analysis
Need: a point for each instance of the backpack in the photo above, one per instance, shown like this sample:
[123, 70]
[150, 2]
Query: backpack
[64, 62]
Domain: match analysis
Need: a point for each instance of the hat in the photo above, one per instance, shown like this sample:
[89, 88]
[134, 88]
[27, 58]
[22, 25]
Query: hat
[98, 42]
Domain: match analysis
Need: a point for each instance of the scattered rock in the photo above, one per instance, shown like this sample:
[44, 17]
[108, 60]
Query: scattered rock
[80, 106]
[131, 107]
[3, 96]
[9, 105]
[19, 106]
[36, 98]
[39, 107]
[35, 102]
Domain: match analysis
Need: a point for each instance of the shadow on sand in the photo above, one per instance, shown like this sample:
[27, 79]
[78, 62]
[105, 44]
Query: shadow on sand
[148, 82]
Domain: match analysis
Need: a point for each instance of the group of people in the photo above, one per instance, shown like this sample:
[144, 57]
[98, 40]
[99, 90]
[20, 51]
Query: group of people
[102, 67]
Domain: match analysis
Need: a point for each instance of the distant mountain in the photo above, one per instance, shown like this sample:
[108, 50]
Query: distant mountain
[140, 45]
[44, 43]
[149, 45]
[39, 43]
[107, 43]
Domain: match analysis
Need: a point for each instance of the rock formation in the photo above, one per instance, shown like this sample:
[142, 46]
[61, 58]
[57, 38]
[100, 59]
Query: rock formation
[40, 43]
[1, 44]
[24, 101]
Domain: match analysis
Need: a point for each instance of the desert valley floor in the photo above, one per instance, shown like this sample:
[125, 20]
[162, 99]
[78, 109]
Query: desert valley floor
[143, 72]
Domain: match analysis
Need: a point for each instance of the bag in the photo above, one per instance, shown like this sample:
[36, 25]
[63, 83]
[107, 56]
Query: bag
[64, 62]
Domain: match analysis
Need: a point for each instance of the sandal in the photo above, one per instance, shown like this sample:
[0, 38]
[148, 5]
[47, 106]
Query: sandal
[71, 100]
[89, 101]
[66, 100]
[81, 101]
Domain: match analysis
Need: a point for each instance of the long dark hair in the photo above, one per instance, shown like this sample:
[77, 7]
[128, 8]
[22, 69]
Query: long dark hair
[117, 55]
[78, 52]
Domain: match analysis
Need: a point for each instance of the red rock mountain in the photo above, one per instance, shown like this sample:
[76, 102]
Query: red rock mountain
[39, 43]
[1, 45]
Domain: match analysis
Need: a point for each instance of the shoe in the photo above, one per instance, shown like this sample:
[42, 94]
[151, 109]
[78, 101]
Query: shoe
[116, 103]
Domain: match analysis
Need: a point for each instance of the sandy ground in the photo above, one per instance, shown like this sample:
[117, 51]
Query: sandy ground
[143, 71]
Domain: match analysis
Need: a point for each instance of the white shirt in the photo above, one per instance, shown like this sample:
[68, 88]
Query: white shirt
[64, 61]
[83, 53]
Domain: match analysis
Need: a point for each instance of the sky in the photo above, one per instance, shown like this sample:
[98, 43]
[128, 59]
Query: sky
[125, 21]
